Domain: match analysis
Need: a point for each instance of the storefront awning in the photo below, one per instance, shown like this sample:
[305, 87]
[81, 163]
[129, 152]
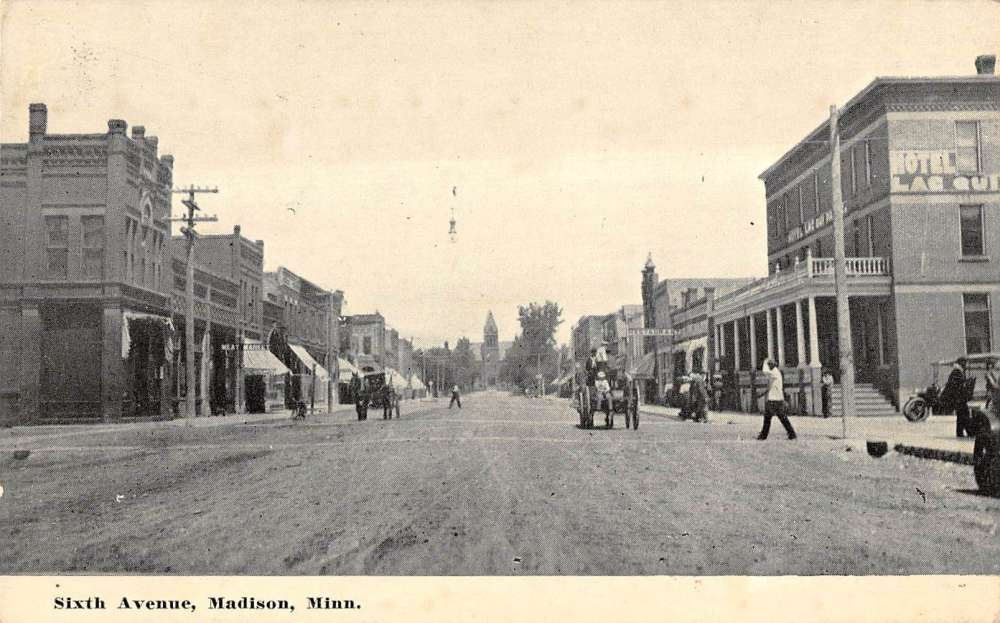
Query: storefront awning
[308, 361]
[257, 360]
[647, 367]
[347, 370]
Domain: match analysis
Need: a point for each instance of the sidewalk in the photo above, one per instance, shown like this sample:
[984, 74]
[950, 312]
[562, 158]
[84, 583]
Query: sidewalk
[933, 438]
[66, 430]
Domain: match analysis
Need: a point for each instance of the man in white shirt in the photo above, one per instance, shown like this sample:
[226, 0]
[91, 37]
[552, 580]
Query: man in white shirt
[775, 402]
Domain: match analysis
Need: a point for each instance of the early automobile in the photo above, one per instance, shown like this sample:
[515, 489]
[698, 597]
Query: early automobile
[920, 407]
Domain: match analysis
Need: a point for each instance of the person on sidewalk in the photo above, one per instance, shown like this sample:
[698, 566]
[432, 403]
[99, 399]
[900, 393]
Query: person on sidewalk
[456, 398]
[698, 396]
[826, 391]
[992, 384]
[775, 405]
[954, 397]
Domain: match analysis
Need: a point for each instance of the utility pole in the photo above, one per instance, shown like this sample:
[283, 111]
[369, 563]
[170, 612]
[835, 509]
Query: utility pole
[840, 281]
[332, 365]
[189, 232]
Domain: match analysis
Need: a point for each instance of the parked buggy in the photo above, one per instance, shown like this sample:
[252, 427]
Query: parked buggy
[621, 398]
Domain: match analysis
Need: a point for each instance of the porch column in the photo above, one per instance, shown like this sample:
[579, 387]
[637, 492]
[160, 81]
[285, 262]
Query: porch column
[813, 335]
[800, 336]
[736, 343]
[781, 336]
[753, 343]
[770, 334]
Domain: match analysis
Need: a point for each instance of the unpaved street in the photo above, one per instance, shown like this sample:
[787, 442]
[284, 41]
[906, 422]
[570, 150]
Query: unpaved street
[504, 486]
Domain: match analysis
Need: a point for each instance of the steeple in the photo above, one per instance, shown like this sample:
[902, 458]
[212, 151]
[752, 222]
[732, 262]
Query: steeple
[490, 331]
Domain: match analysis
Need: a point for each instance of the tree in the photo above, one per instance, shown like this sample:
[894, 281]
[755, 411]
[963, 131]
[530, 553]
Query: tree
[464, 363]
[533, 351]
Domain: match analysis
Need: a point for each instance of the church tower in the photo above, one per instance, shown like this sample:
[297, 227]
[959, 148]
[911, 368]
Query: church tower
[490, 352]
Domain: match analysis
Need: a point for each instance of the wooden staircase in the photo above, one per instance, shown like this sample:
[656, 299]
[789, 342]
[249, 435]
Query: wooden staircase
[868, 401]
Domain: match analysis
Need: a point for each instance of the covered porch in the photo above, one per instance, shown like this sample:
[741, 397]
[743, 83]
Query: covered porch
[791, 318]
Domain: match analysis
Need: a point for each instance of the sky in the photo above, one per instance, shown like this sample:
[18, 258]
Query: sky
[570, 139]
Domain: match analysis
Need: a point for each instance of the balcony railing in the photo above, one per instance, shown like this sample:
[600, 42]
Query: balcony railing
[856, 266]
[810, 268]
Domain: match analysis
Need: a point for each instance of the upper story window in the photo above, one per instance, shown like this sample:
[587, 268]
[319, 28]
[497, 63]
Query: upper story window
[367, 348]
[93, 246]
[802, 213]
[57, 247]
[868, 163]
[967, 156]
[816, 192]
[854, 170]
[972, 230]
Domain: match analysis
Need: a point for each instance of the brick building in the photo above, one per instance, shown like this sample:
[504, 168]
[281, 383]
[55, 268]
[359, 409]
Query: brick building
[920, 164]
[85, 296]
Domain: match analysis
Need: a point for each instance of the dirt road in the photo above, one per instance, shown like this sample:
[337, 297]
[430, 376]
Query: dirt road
[504, 486]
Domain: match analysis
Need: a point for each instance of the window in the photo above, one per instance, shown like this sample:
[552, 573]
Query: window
[57, 247]
[869, 229]
[93, 246]
[816, 192]
[857, 240]
[802, 214]
[967, 146]
[977, 323]
[972, 230]
[868, 163]
[367, 348]
[854, 171]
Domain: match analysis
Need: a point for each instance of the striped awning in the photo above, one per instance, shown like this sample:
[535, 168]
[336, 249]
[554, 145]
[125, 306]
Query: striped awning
[308, 361]
[261, 361]
[347, 370]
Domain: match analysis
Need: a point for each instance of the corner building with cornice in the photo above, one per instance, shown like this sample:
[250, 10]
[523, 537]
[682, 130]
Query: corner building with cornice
[920, 179]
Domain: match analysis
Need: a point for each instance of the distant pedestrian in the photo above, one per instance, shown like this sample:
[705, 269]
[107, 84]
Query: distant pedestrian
[954, 396]
[698, 397]
[827, 392]
[388, 397]
[775, 405]
[456, 398]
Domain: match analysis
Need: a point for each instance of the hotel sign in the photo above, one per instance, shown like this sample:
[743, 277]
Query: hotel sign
[811, 225]
[934, 171]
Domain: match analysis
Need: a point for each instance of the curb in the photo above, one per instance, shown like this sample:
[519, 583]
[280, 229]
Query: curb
[951, 456]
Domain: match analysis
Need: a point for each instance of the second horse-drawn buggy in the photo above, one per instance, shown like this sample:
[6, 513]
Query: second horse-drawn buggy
[374, 390]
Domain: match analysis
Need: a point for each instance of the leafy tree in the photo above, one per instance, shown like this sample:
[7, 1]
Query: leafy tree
[464, 363]
[533, 351]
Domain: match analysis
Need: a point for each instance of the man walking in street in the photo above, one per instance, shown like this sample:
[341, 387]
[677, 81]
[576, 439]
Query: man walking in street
[455, 397]
[775, 405]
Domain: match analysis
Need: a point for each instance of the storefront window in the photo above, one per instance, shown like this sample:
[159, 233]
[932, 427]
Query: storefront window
[977, 323]
[972, 230]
